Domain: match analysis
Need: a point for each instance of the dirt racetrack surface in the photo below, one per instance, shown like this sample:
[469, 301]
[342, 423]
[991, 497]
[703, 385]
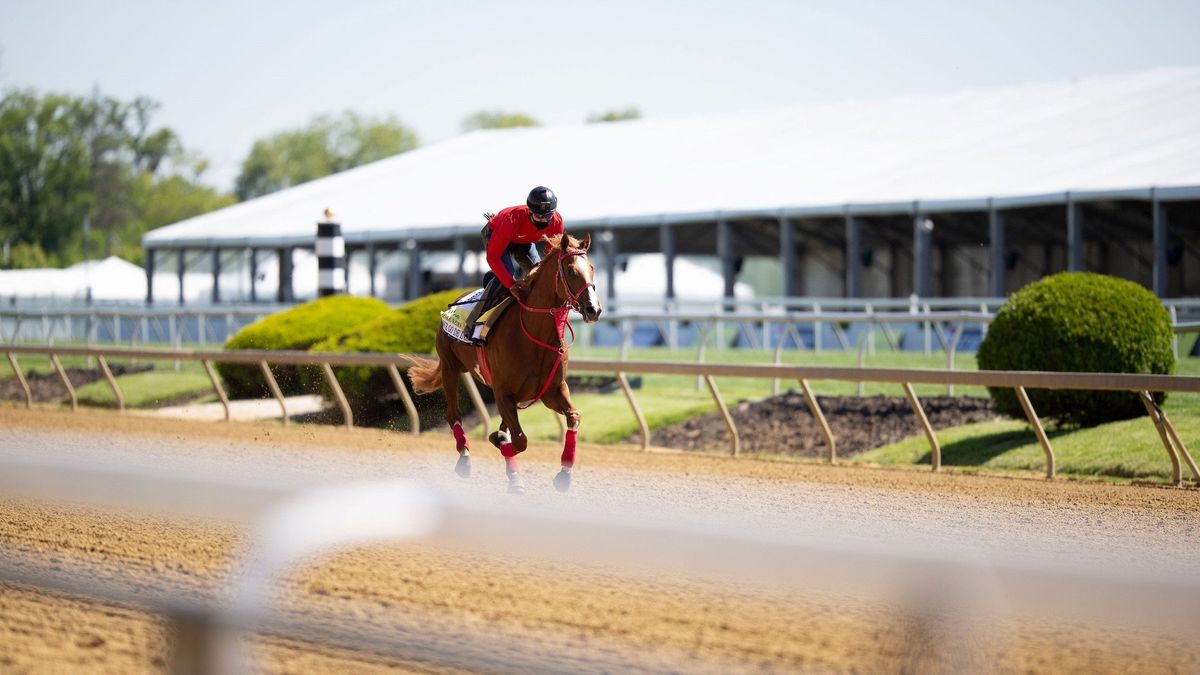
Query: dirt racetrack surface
[585, 617]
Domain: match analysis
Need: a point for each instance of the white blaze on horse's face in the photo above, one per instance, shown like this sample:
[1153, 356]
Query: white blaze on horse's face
[589, 301]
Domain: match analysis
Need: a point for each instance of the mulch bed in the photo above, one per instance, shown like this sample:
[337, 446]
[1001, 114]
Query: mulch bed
[49, 387]
[783, 425]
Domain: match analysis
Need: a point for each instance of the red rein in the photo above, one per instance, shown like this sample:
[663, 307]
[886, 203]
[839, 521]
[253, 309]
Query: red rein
[561, 323]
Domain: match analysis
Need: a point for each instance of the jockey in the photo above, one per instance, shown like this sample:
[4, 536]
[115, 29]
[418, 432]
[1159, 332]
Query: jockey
[510, 238]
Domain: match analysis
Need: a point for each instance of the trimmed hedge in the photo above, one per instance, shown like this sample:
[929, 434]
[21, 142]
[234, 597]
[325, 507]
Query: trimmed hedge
[1084, 323]
[409, 329]
[293, 329]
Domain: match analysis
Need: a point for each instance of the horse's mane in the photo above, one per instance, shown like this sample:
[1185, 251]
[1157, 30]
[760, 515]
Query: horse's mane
[553, 242]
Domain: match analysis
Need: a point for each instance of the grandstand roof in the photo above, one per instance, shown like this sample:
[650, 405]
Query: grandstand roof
[1096, 138]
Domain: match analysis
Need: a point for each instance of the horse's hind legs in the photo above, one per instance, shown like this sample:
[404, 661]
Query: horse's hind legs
[454, 418]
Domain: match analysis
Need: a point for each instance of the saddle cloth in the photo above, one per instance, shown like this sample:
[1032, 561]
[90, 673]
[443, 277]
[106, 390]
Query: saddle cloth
[454, 317]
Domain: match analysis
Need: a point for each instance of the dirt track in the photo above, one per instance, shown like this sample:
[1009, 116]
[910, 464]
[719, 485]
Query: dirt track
[593, 613]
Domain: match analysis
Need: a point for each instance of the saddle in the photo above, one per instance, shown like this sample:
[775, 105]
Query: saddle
[454, 317]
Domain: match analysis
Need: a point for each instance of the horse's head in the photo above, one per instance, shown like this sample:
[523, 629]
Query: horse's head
[576, 285]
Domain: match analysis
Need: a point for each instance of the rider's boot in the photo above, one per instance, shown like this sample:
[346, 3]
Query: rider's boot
[486, 300]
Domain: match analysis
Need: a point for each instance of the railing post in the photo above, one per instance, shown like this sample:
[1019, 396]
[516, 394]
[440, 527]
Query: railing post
[815, 408]
[347, 414]
[1036, 423]
[735, 443]
[935, 449]
[274, 387]
[410, 408]
[637, 412]
[1154, 411]
[216, 383]
[66, 381]
[112, 382]
[12, 360]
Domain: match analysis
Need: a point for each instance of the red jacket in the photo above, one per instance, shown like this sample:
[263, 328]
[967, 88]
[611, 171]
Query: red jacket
[512, 226]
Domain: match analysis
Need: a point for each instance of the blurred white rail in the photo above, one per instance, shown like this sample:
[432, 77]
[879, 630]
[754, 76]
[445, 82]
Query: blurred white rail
[939, 587]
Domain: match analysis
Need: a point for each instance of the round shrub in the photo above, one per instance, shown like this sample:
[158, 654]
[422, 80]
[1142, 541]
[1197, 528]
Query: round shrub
[293, 329]
[1083, 323]
[409, 329]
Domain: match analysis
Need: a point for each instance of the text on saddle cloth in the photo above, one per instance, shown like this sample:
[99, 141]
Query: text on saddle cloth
[454, 317]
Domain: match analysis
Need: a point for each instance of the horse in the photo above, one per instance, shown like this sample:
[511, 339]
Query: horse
[524, 360]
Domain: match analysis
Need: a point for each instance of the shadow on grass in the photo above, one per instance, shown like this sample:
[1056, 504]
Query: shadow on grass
[977, 450]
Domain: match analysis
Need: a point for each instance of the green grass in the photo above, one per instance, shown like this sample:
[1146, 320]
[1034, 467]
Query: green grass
[1130, 449]
[150, 389]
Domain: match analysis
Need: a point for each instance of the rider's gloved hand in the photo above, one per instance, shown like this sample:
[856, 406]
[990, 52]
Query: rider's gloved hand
[518, 291]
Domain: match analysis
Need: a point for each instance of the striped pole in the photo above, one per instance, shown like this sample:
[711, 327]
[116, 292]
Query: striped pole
[331, 257]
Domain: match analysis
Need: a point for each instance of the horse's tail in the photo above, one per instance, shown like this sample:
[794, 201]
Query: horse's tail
[426, 374]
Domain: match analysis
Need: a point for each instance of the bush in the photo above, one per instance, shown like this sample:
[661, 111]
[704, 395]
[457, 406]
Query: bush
[410, 329]
[293, 329]
[1084, 323]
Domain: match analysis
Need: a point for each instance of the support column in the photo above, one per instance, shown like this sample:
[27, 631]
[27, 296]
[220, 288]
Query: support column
[284, 293]
[372, 266]
[414, 269]
[1074, 236]
[853, 256]
[253, 275]
[216, 272]
[666, 237]
[610, 262]
[150, 276]
[725, 254]
[787, 255]
[999, 251]
[922, 253]
[1158, 218]
[460, 275]
[182, 268]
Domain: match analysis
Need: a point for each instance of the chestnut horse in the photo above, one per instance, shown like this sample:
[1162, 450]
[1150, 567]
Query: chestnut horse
[525, 358]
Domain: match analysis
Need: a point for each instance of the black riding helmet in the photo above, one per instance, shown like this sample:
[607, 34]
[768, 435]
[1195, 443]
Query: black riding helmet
[542, 201]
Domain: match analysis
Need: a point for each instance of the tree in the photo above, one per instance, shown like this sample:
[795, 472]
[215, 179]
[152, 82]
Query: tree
[630, 113]
[326, 146]
[497, 119]
[65, 158]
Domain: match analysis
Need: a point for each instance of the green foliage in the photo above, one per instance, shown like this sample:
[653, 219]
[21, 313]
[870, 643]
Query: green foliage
[498, 119]
[67, 159]
[297, 328]
[1079, 322]
[326, 146]
[410, 329]
[630, 113]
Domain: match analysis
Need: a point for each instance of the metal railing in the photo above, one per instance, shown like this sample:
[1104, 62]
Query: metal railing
[1019, 381]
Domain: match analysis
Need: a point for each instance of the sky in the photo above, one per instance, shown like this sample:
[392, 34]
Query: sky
[229, 73]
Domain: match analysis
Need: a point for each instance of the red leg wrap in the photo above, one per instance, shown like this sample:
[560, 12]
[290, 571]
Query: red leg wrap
[568, 453]
[460, 438]
[510, 458]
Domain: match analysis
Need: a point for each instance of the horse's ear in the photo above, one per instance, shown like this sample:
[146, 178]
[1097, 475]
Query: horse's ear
[587, 241]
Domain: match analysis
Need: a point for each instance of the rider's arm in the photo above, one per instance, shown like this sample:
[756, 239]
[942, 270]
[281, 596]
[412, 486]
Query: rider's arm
[501, 236]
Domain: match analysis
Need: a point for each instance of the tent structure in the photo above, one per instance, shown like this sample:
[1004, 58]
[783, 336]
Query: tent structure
[960, 194]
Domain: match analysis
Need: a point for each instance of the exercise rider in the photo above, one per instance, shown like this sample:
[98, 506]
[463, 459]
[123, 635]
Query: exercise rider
[511, 238]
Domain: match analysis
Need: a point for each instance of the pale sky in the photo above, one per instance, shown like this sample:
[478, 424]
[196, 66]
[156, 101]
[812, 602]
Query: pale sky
[228, 73]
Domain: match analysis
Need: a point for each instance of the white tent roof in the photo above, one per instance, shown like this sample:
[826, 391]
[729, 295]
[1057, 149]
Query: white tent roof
[1023, 144]
[109, 279]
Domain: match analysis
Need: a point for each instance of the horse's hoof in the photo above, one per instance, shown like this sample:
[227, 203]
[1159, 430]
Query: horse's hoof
[562, 481]
[516, 484]
[463, 466]
[498, 438]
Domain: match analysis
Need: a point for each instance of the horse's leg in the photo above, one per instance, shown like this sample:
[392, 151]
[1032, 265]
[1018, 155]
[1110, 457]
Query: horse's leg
[450, 366]
[559, 400]
[514, 443]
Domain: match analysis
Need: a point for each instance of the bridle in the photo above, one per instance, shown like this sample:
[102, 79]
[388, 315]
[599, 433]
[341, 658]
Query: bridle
[560, 316]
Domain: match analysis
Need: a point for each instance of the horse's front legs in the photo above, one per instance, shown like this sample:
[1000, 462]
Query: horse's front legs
[511, 444]
[560, 402]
